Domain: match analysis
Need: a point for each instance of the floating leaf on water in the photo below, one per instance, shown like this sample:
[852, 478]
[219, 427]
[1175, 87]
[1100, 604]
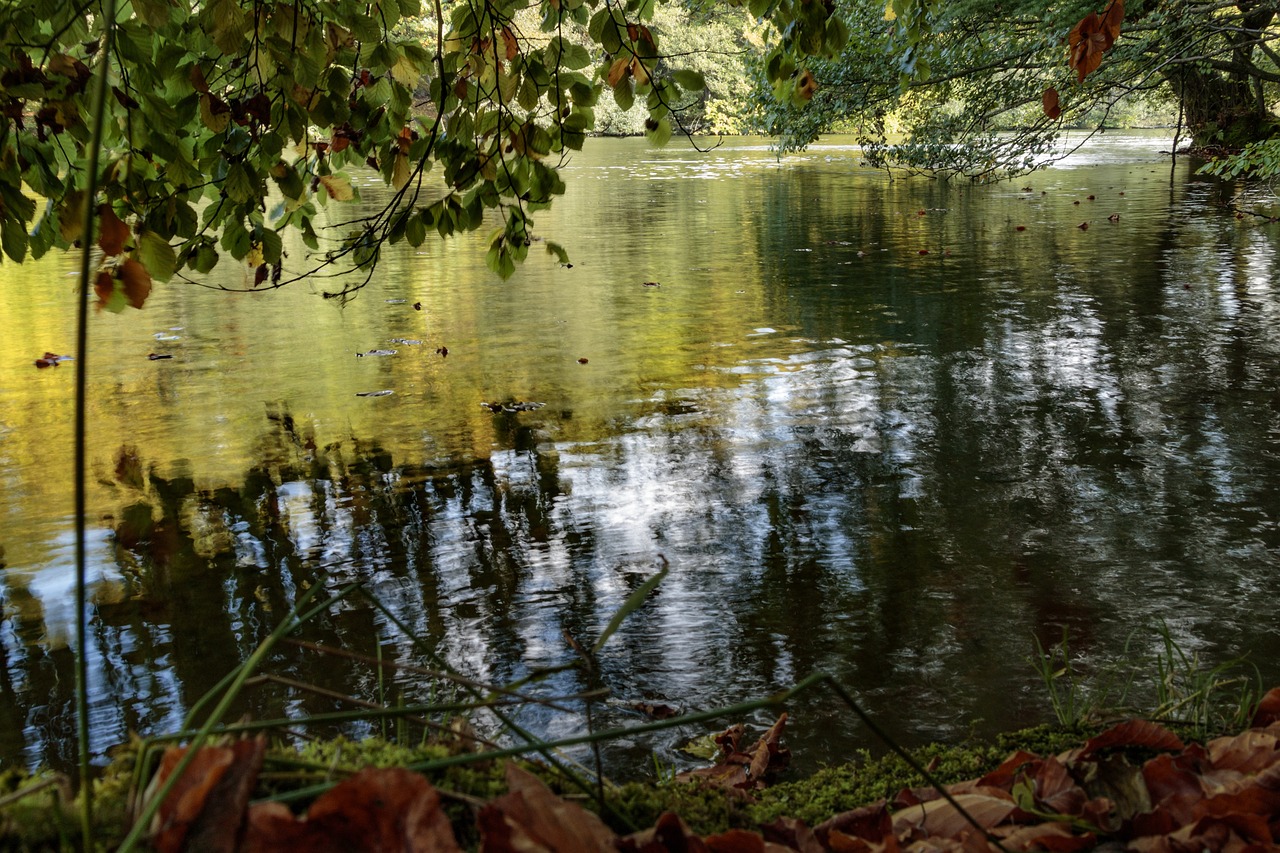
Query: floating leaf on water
[656, 710]
[51, 359]
[512, 408]
[383, 393]
[443, 352]
[582, 361]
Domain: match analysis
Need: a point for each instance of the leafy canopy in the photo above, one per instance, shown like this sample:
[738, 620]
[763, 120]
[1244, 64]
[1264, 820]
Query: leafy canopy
[230, 122]
[984, 89]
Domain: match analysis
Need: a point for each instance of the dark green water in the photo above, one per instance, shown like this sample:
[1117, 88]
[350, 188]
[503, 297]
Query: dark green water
[895, 467]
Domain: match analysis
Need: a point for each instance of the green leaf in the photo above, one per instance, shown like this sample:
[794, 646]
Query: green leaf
[574, 56]
[272, 246]
[13, 236]
[557, 250]
[624, 94]
[415, 231]
[205, 257]
[239, 186]
[45, 234]
[155, 253]
[690, 80]
[660, 134]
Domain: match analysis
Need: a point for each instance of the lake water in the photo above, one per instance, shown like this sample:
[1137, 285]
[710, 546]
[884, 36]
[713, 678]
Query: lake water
[897, 431]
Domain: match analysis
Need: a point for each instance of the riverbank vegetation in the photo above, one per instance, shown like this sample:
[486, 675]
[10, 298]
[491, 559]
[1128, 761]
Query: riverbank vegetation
[1060, 788]
[174, 136]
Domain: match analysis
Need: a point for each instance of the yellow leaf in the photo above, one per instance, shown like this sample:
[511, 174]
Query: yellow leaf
[639, 71]
[339, 188]
[406, 72]
[400, 172]
[214, 114]
[618, 70]
[71, 216]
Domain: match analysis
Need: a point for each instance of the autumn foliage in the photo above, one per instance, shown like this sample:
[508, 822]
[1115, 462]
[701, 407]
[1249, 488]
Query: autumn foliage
[1091, 37]
[1136, 787]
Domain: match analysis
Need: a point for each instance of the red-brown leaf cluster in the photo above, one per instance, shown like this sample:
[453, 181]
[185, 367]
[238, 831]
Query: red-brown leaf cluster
[749, 769]
[1134, 787]
[1093, 36]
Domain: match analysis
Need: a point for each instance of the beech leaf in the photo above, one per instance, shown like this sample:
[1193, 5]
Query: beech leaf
[112, 232]
[339, 188]
[1052, 108]
[1131, 733]
[136, 281]
[155, 253]
[387, 810]
[531, 818]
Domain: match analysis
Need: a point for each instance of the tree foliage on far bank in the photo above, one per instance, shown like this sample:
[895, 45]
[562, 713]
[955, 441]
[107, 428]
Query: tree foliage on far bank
[231, 122]
[964, 83]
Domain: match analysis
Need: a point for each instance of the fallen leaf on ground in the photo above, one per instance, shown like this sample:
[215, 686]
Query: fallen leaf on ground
[205, 809]
[529, 818]
[388, 810]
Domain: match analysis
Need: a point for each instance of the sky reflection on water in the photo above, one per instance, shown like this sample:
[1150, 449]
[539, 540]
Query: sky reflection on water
[900, 468]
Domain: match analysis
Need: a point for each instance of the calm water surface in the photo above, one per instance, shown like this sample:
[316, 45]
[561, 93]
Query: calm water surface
[893, 431]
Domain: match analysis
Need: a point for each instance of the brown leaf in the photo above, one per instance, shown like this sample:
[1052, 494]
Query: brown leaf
[1268, 709]
[742, 841]
[104, 286]
[620, 68]
[639, 71]
[791, 833]
[668, 835]
[1112, 20]
[729, 740]
[1004, 775]
[1085, 45]
[1057, 789]
[112, 232]
[136, 281]
[806, 85]
[390, 810]
[652, 710]
[767, 756]
[1048, 836]
[940, 818]
[1131, 733]
[510, 43]
[1051, 106]
[726, 775]
[216, 783]
[1091, 37]
[531, 818]
[1248, 752]
[869, 822]
[198, 81]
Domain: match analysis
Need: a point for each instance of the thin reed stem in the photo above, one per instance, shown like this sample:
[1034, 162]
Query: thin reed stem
[82, 384]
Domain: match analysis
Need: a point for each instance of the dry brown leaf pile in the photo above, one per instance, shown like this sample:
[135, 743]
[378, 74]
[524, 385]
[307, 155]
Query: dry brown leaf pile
[1135, 787]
